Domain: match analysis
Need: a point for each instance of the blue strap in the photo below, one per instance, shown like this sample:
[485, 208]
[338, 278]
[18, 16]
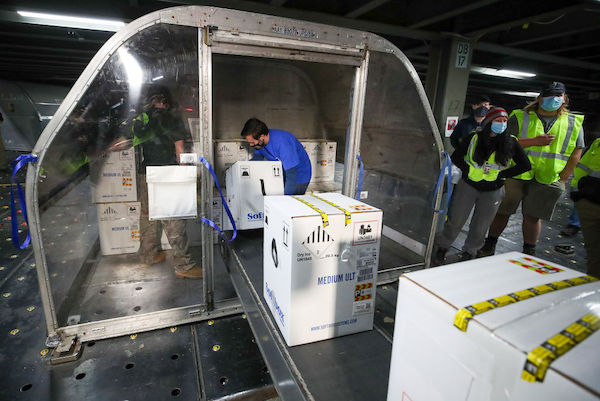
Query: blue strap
[360, 177]
[17, 164]
[446, 168]
[212, 223]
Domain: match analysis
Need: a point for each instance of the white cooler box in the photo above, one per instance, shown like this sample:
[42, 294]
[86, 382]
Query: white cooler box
[320, 280]
[114, 177]
[119, 227]
[508, 348]
[247, 183]
[227, 152]
[172, 192]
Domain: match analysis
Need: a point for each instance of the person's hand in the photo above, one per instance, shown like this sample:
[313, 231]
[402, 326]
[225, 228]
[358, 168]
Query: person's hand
[563, 176]
[543, 140]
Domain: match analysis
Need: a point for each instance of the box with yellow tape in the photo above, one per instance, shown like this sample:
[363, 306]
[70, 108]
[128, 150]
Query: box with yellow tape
[507, 327]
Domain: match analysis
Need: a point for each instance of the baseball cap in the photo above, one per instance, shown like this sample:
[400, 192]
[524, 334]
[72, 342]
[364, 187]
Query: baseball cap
[554, 88]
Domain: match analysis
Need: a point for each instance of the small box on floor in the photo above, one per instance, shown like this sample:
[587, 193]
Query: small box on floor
[119, 226]
[321, 254]
[506, 327]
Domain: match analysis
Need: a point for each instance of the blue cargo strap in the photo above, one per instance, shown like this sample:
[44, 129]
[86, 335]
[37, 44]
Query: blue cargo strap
[446, 168]
[17, 164]
[360, 177]
[212, 223]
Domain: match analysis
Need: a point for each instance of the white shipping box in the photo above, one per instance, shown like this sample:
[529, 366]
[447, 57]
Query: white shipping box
[432, 360]
[247, 184]
[114, 177]
[320, 280]
[119, 226]
[227, 152]
[322, 158]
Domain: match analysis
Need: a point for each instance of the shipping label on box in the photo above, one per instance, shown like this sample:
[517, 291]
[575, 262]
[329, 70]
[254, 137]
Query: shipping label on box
[320, 265]
[114, 177]
[119, 226]
[321, 154]
[227, 152]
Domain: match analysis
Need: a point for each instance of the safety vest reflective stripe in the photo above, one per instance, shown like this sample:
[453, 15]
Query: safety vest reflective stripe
[546, 155]
[477, 172]
[570, 125]
[589, 165]
[524, 125]
[588, 170]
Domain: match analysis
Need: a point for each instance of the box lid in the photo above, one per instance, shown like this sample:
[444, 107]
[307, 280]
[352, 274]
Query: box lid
[328, 203]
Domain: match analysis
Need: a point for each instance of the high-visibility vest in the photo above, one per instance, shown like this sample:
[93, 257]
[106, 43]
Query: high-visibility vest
[488, 171]
[548, 161]
[141, 134]
[589, 164]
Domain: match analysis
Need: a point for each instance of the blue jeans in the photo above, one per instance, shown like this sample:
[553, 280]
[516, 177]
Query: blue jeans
[573, 219]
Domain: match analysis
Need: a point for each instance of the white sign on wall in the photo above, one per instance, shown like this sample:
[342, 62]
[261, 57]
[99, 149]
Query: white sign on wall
[451, 123]
[462, 54]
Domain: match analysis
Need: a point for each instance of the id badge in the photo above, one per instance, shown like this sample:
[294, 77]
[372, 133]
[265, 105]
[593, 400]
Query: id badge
[486, 168]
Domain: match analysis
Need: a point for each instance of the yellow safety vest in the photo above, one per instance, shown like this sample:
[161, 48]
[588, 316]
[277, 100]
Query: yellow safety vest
[548, 161]
[490, 169]
[589, 164]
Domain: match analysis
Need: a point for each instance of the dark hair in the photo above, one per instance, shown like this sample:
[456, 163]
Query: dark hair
[254, 127]
[481, 99]
[501, 144]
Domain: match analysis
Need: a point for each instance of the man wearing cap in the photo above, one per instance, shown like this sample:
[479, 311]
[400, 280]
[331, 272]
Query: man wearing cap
[553, 140]
[466, 126]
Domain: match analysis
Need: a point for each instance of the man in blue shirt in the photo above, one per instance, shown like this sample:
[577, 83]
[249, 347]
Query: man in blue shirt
[463, 129]
[276, 144]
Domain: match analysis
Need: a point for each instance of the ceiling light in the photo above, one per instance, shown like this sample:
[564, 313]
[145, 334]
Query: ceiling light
[157, 78]
[70, 21]
[522, 94]
[502, 72]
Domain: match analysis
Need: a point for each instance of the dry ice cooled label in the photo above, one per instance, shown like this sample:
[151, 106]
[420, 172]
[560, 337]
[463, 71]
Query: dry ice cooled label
[365, 232]
[318, 242]
[536, 265]
[363, 299]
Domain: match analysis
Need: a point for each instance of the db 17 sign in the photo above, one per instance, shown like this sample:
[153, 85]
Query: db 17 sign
[462, 54]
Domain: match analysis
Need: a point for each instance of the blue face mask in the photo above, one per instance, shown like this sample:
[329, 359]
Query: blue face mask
[498, 127]
[551, 103]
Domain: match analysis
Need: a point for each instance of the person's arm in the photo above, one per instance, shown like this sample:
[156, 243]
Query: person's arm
[257, 156]
[522, 163]
[458, 156]
[291, 181]
[571, 163]
[179, 149]
[513, 129]
[459, 133]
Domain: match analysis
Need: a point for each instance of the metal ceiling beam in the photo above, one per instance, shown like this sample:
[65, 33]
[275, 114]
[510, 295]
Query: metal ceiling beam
[510, 51]
[47, 49]
[559, 34]
[570, 48]
[317, 17]
[453, 13]
[522, 21]
[277, 3]
[365, 8]
[52, 37]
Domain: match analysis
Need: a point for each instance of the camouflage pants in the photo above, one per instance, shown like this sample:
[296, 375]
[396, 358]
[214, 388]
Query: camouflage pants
[151, 231]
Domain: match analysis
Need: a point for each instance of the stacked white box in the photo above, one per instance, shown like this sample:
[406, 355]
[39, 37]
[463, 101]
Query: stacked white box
[247, 183]
[433, 360]
[114, 177]
[320, 280]
[227, 152]
[322, 158]
[119, 226]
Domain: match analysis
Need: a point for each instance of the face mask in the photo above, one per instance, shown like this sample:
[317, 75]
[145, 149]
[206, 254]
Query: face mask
[481, 111]
[552, 103]
[498, 127]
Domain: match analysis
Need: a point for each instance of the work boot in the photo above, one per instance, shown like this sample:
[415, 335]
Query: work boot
[569, 230]
[529, 249]
[488, 248]
[464, 256]
[194, 272]
[159, 257]
[439, 257]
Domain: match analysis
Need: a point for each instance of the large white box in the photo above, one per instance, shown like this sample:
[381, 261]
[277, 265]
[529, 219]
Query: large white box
[322, 158]
[172, 192]
[227, 152]
[114, 177]
[432, 360]
[247, 184]
[320, 280]
[119, 226]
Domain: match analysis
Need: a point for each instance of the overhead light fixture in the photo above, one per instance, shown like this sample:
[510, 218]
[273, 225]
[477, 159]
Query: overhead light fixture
[502, 72]
[157, 78]
[68, 21]
[521, 94]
